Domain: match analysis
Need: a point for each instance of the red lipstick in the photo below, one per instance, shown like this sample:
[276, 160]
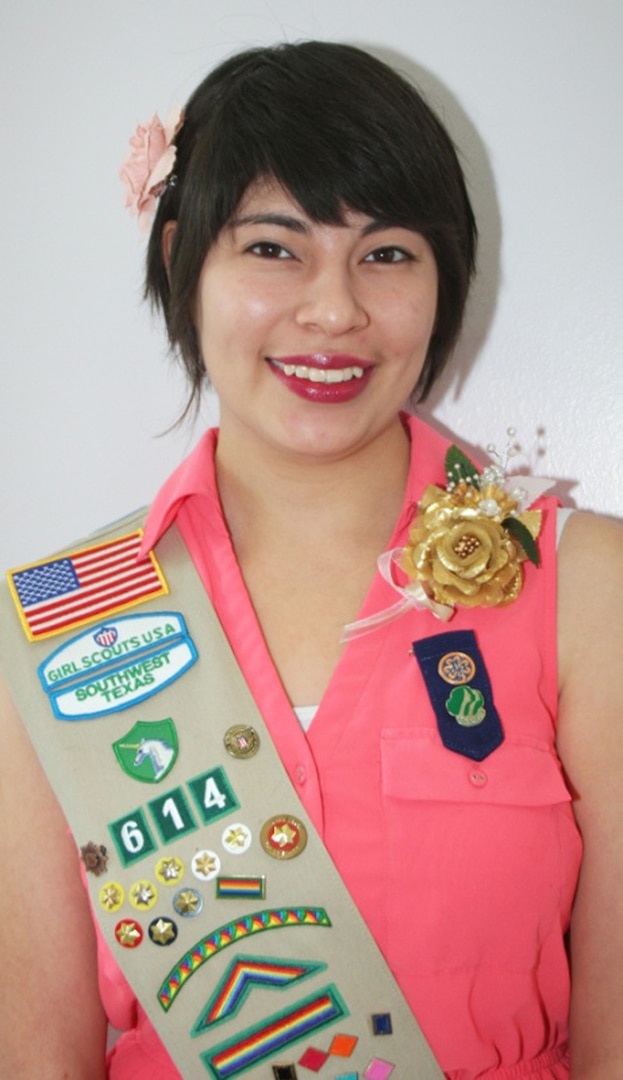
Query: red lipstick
[329, 378]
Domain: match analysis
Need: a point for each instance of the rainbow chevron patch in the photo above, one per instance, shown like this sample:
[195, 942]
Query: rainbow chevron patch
[243, 974]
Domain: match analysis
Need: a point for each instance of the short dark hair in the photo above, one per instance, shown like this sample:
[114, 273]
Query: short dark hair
[339, 130]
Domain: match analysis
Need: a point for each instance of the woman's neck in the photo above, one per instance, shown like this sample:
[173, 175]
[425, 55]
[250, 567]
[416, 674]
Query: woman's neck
[263, 491]
[307, 536]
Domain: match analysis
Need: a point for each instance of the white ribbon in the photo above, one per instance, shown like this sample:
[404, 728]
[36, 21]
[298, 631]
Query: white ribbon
[413, 596]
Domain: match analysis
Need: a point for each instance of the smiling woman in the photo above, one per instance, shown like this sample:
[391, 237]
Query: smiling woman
[411, 785]
[293, 312]
[361, 140]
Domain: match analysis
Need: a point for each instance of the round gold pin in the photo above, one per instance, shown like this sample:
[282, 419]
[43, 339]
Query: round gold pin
[143, 895]
[128, 933]
[162, 931]
[456, 668]
[169, 870]
[111, 896]
[241, 741]
[283, 836]
[188, 902]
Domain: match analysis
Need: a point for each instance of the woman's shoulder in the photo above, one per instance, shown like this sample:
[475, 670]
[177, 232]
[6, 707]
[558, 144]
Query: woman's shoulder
[590, 643]
[590, 592]
[590, 744]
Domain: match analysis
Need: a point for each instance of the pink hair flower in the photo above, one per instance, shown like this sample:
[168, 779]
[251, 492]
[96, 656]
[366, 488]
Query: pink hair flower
[149, 165]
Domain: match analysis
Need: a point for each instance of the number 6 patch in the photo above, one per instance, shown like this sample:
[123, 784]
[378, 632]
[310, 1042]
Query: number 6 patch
[132, 836]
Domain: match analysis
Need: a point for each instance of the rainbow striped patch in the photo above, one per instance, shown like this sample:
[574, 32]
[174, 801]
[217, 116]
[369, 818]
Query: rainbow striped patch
[240, 888]
[269, 1037]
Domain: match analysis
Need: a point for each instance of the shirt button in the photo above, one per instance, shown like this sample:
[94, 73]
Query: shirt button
[300, 774]
[478, 778]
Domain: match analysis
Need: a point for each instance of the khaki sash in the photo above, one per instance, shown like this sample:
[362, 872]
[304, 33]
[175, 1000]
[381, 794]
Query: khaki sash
[277, 969]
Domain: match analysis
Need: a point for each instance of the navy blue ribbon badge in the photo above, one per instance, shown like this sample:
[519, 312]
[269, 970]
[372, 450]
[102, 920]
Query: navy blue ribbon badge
[460, 692]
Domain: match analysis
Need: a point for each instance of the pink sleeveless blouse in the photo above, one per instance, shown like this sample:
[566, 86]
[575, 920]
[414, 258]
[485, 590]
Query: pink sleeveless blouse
[465, 872]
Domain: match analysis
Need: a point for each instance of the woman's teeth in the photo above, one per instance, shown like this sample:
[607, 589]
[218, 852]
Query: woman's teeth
[320, 375]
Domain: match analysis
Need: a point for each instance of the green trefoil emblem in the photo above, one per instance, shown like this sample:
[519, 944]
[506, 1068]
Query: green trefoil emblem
[467, 706]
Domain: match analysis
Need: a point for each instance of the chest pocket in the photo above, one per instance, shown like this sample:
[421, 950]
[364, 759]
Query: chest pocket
[482, 857]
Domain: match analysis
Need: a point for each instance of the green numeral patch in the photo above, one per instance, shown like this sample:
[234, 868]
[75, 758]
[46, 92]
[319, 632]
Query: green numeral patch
[132, 837]
[213, 795]
[172, 815]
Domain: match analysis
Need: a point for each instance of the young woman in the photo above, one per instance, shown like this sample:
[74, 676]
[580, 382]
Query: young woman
[311, 252]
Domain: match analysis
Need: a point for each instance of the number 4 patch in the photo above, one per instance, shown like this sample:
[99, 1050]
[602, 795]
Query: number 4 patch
[213, 795]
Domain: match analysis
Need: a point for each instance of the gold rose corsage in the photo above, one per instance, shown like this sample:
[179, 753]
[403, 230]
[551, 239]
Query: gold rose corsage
[468, 542]
[466, 545]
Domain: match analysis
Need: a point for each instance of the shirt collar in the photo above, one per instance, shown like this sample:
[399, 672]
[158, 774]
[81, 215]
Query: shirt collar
[195, 476]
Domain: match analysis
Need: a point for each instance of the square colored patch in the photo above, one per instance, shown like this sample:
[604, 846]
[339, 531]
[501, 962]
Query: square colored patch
[284, 1072]
[378, 1070]
[343, 1045]
[381, 1023]
[313, 1059]
[348, 1076]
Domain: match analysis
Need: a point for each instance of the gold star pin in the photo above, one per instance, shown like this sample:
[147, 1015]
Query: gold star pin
[169, 870]
[237, 839]
[162, 931]
[128, 933]
[188, 902]
[206, 865]
[111, 896]
[143, 895]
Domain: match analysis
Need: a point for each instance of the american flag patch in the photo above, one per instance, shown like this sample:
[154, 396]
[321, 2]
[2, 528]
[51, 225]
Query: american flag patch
[56, 595]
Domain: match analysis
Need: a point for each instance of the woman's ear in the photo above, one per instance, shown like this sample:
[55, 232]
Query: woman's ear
[168, 233]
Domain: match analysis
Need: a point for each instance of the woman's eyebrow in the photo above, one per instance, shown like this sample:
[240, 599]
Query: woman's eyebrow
[378, 225]
[287, 222]
[298, 225]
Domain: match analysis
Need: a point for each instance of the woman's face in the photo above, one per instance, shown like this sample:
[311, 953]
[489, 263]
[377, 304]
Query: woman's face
[313, 335]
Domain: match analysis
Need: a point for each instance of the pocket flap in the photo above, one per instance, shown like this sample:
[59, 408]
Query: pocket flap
[416, 765]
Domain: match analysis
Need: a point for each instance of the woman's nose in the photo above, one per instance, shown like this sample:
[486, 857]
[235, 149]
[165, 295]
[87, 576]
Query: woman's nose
[331, 302]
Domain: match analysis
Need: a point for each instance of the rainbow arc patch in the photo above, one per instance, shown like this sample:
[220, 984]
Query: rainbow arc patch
[269, 919]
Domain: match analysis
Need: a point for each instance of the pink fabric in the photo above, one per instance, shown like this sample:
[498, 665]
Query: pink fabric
[464, 873]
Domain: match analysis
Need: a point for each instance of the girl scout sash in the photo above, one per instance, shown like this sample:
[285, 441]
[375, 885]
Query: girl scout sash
[215, 893]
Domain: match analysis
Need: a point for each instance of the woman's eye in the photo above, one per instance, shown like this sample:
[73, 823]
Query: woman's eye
[266, 249]
[388, 255]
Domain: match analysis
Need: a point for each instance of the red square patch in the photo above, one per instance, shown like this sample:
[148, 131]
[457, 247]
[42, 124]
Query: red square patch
[313, 1059]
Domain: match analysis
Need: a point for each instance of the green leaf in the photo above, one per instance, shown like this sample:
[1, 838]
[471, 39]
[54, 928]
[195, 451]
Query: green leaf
[524, 536]
[459, 467]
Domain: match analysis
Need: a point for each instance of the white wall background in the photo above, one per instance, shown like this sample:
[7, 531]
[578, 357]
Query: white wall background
[531, 91]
